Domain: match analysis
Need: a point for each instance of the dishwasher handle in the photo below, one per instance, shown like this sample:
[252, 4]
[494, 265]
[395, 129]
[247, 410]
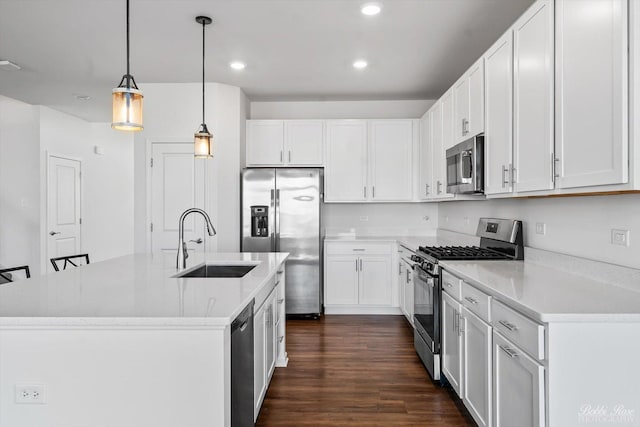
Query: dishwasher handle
[243, 318]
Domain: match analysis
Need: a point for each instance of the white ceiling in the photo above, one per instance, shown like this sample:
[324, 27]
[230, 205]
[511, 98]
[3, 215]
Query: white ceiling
[294, 49]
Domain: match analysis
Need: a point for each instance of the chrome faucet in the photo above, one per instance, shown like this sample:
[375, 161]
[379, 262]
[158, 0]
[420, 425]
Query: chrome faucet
[182, 245]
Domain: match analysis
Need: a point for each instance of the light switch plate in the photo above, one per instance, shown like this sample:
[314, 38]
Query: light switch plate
[620, 237]
[541, 228]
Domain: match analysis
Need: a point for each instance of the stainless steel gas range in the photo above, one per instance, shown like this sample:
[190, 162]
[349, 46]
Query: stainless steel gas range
[500, 239]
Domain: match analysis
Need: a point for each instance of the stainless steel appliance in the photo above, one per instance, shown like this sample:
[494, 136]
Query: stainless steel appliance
[500, 239]
[242, 369]
[281, 212]
[465, 166]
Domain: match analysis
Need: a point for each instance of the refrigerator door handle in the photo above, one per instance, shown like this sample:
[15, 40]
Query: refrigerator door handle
[277, 241]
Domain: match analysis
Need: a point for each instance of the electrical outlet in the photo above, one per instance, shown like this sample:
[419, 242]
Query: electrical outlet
[541, 228]
[466, 220]
[364, 218]
[30, 393]
[620, 237]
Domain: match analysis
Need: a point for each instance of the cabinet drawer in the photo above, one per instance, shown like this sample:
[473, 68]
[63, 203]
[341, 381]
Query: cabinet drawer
[356, 248]
[476, 301]
[451, 285]
[523, 331]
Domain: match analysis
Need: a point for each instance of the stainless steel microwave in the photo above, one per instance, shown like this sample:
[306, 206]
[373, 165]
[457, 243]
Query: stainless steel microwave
[465, 166]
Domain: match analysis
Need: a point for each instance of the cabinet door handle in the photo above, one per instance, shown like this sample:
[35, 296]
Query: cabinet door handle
[281, 158]
[289, 156]
[399, 268]
[281, 300]
[408, 276]
[359, 250]
[448, 285]
[360, 264]
[356, 264]
[509, 326]
[373, 192]
[426, 192]
[554, 167]
[513, 174]
[365, 191]
[280, 339]
[439, 187]
[471, 300]
[510, 352]
[463, 128]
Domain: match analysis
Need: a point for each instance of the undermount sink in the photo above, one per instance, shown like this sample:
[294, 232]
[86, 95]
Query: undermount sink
[216, 270]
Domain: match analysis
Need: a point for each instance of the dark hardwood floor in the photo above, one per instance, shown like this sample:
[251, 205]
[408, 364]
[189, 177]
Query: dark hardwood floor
[355, 371]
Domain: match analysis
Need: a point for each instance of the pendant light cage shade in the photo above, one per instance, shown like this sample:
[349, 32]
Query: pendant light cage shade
[203, 143]
[127, 108]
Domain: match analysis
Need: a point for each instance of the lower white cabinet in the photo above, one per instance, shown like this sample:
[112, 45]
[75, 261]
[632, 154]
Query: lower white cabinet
[476, 367]
[518, 386]
[358, 278]
[452, 342]
[268, 340]
[405, 286]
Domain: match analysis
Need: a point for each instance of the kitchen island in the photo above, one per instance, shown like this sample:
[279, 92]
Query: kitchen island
[125, 342]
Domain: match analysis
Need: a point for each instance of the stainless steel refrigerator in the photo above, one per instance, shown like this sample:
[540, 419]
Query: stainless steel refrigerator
[282, 212]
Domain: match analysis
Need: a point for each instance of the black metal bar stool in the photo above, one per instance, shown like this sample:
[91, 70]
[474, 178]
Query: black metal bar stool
[6, 275]
[72, 260]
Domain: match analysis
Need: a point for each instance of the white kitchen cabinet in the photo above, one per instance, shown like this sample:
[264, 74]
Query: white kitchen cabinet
[369, 160]
[265, 142]
[477, 367]
[341, 276]
[439, 162]
[468, 95]
[281, 316]
[270, 336]
[498, 141]
[533, 76]
[518, 386]
[285, 142]
[346, 161]
[374, 285]
[592, 90]
[425, 168]
[390, 159]
[358, 278]
[452, 342]
[259, 359]
[304, 142]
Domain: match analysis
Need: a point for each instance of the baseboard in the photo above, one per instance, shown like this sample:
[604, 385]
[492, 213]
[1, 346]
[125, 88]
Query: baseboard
[361, 309]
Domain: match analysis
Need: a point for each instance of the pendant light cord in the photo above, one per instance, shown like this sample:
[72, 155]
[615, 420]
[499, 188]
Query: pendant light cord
[203, 25]
[128, 71]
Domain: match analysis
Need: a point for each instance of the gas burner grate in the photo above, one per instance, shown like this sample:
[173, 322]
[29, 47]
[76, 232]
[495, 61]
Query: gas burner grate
[461, 252]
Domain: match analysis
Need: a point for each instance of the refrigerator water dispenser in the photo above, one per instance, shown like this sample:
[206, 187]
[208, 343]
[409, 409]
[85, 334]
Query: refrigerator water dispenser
[259, 221]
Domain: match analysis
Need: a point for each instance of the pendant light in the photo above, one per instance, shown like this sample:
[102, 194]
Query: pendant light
[127, 99]
[203, 140]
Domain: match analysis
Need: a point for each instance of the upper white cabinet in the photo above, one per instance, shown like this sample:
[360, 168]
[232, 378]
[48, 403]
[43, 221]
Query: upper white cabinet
[265, 142]
[285, 142]
[468, 95]
[304, 142]
[425, 179]
[519, 140]
[533, 76]
[346, 161]
[390, 159]
[498, 141]
[591, 92]
[369, 160]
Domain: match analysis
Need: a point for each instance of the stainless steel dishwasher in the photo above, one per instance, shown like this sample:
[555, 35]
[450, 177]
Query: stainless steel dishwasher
[242, 369]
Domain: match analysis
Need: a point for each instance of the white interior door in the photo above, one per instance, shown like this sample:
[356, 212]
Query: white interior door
[63, 208]
[177, 184]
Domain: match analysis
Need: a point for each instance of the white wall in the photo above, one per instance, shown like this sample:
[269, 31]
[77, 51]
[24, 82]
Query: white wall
[19, 185]
[107, 181]
[390, 219]
[409, 109]
[173, 113]
[578, 226]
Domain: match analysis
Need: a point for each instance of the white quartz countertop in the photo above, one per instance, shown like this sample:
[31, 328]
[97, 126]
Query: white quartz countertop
[411, 242]
[547, 294]
[137, 290]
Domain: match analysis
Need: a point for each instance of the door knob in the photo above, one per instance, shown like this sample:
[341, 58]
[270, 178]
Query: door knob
[198, 240]
[53, 233]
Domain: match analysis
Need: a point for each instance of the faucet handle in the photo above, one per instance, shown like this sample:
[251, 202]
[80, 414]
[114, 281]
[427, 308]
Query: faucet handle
[198, 240]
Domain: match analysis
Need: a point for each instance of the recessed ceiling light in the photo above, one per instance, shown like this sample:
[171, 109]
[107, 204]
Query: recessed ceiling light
[371, 9]
[236, 65]
[360, 64]
[8, 66]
